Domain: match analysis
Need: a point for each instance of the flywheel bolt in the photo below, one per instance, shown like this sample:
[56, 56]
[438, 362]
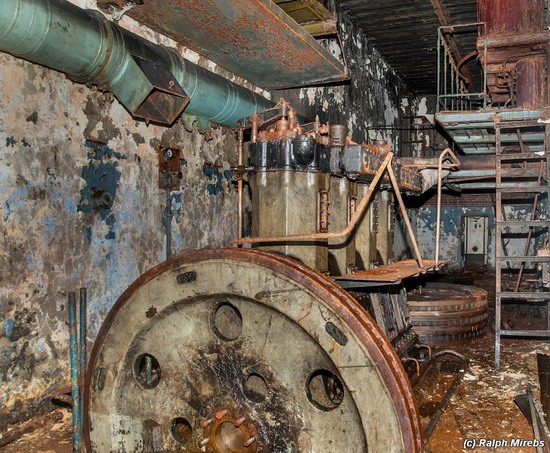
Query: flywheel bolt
[221, 414]
[206, 423]
[250, 441]
[239, 421]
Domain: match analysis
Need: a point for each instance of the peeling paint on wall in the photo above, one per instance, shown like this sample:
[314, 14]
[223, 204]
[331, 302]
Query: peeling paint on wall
[369, 105]
[63, 143]
[452, 232]
[220, 179]
[60, 143]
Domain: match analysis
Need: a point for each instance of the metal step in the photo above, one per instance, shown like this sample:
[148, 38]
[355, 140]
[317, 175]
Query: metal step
[523, 223]
[525, 333]
[524, 296]
[526, 189]
[522, 156]
[527, 259]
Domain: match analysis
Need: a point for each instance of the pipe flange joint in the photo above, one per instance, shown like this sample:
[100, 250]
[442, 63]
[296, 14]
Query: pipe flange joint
[228, 431]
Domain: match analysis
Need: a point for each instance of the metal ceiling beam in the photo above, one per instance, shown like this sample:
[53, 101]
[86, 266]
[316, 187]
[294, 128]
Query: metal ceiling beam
[254, 39]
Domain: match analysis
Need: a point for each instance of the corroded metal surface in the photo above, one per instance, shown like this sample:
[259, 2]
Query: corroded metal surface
[510, 17]
[447, 311]
[252, 38]
[286, 313]
[411, 50]
[392, 273]
[513, 47]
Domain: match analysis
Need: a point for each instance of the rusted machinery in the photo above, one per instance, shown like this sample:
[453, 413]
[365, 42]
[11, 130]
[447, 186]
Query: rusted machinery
[272, 348]
[513, 46]
[445, 311]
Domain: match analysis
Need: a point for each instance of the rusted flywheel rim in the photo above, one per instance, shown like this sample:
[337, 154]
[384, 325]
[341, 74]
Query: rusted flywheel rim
[343, 304]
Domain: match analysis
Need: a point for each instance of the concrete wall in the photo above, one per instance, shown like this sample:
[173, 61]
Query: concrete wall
[59, 140]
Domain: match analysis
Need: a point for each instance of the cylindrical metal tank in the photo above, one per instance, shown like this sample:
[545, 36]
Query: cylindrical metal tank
[511, 17]
[531, 82]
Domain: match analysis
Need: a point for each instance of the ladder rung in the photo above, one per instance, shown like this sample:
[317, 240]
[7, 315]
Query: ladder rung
[518, 124]
[526, 296]
[524, 223]
[522, 156]
[527, 259]
[518, 189]
[525, 333]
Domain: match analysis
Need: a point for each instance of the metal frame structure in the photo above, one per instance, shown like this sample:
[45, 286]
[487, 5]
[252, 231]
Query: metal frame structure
[503, 227]
[452, 93]
[519, 136]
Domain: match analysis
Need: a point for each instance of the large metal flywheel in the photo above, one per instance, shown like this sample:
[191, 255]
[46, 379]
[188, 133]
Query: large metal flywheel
[237, 350]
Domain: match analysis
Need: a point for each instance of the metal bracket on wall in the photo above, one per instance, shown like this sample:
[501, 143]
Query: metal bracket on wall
[323, 211]
[170, 164]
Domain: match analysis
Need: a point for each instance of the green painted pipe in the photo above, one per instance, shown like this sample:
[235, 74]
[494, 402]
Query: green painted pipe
[153, 82]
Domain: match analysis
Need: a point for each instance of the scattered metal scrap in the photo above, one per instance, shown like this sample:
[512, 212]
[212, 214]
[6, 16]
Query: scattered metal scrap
[530, 407]
[458, 375]
[29, 426]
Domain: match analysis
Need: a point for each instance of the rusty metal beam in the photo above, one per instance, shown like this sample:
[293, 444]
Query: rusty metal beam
[254, 39]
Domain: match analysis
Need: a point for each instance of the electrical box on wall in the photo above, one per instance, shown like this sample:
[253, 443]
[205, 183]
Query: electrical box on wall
[475, 241]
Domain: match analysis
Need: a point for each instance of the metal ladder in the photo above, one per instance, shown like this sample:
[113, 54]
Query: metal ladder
[538, 225]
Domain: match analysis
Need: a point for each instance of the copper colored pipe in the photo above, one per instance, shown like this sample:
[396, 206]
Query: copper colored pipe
[386, 164]
[438, 219]
[530, 234]
[254, 131]
[405, 216]
[462, 61]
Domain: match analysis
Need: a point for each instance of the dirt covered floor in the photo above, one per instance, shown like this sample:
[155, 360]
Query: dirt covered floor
[52, 434]
[482, 407]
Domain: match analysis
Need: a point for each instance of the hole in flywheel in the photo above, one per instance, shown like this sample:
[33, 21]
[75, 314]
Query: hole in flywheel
[255, 388]
[181, 430]
[227, 322]
[325, 390]
[147, 371]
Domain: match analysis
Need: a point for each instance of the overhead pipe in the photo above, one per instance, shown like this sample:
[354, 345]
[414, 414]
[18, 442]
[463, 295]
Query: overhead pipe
[153, 82]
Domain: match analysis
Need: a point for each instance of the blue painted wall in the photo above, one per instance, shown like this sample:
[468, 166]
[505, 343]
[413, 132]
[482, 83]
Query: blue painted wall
[452, 232]
[61, 143]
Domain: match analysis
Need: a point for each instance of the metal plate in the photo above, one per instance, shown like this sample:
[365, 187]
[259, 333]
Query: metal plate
[444, 311]
[392, 273]
[280, 322]
[255, 39]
